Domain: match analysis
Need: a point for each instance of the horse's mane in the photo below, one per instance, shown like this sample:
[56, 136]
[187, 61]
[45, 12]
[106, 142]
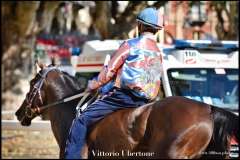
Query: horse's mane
[225, 125]
[73, 82]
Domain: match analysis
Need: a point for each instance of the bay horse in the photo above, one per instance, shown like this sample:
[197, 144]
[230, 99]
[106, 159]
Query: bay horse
[174, 127]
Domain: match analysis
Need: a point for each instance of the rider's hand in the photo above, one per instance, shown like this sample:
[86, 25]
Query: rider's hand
[92, 85]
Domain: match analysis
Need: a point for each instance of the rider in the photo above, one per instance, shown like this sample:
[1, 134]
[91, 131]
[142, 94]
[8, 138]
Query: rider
[135, 67]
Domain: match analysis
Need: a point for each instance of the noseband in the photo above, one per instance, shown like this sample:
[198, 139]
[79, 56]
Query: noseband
[30, 112]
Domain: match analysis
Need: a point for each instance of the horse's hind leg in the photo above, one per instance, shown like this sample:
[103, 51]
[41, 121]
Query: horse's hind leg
[192, 142]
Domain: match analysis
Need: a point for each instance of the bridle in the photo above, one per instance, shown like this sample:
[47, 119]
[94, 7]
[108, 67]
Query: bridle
[31, 112]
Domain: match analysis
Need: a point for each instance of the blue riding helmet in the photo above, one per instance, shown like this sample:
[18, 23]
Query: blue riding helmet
[150, 17]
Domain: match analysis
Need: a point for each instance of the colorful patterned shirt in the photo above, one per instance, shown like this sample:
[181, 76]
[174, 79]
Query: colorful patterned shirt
[134, 66]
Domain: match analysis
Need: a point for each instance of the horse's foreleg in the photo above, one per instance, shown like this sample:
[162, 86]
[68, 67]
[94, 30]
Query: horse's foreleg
[61, 153]
[84, 152]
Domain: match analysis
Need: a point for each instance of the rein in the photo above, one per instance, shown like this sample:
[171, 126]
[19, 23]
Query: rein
[31, 111]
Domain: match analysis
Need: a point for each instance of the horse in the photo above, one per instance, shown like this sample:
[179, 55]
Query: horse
[174, 127]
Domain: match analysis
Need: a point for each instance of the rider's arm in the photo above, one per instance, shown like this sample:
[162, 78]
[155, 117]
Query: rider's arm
[107, 73]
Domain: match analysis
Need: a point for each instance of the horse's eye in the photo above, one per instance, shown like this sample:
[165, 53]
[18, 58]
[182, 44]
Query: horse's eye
[31, 83]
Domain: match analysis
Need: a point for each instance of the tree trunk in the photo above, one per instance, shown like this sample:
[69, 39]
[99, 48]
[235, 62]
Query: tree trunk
[19, 28]
[233, 20]
[17, 22]
[227, 25]
[127, 20]
[48, 14]
[101, 18]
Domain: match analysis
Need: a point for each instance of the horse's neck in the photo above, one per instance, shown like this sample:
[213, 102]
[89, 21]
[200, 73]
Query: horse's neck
[61, 116]
[58, 90]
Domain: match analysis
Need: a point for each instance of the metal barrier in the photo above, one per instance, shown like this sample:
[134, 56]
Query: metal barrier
[37, 125]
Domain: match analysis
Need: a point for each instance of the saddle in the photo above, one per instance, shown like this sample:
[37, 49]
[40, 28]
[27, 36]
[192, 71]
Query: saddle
[88, 99]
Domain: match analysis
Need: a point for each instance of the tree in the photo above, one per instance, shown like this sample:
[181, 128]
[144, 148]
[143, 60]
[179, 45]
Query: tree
[227, 27]
[19, 28]
[17, 24]
[22, 21]
[124, 22]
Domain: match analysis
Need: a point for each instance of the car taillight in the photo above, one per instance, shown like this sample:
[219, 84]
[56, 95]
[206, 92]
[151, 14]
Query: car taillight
[234, 148]
[233, 141]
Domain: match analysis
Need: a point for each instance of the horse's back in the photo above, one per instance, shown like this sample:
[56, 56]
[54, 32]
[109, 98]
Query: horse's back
[163, 128]
[181, 108]
[179, 127]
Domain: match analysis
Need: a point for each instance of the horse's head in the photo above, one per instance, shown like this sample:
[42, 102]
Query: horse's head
[35, 98]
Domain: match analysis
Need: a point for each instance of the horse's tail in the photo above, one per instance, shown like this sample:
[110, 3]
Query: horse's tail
[226, 126]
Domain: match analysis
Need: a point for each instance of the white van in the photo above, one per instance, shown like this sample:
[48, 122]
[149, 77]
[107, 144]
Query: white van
[198, 69]
[91, 60]
[202, 70]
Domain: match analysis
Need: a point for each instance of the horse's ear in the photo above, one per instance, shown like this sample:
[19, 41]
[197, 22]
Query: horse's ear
[37, 67]
[40, 65]
[53, 61]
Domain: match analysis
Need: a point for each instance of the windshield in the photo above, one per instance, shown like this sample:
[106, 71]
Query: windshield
[218, 87]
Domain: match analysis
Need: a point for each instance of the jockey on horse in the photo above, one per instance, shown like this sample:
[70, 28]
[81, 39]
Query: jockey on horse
[135, 69]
